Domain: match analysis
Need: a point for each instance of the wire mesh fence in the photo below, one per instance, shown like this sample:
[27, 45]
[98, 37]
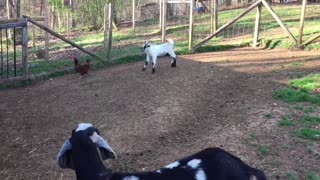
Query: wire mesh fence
[243, 29]
[128, 42]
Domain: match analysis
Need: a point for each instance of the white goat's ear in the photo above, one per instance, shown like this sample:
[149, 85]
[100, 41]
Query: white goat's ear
[253, 177]
[105, 149]
[64, 157]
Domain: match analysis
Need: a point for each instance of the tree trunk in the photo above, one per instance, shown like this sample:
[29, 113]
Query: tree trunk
[9, 9]
[9, 14]
[41, 8]
[18, 6]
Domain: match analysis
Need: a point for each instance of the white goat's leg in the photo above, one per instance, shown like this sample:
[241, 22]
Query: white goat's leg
[174, 60]
[154, 63]
[146, 63]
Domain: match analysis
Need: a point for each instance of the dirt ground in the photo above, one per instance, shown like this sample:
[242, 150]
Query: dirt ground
[214, 99]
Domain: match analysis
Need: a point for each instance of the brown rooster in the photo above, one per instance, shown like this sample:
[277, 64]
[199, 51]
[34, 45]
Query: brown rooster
[81, 68]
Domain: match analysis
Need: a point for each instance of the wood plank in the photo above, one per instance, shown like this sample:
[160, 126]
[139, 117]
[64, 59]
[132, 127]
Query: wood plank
[227, 25]
[64, 39]
[308, 41]
[12, 25]
[12, 20]
[276, 17]
[177, 1]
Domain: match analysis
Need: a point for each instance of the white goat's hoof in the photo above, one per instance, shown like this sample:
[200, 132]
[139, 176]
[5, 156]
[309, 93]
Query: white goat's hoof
[153, 70]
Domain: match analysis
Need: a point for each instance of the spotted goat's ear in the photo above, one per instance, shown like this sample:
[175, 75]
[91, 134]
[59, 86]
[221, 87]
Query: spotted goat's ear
[64, 157]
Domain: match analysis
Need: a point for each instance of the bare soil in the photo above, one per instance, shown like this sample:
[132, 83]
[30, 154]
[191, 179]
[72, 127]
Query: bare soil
[217, 99]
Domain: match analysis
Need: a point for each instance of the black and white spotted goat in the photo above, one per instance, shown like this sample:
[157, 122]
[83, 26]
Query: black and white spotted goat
[85, 151]
[154, 51]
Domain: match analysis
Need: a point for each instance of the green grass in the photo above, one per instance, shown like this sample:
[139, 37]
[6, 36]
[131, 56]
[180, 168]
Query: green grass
[253, 136]
[296, 65]
[312, 176]
[292, 176]
[285, 146]
[292, 95]
[300, 90]
[268, 116]
[286, 122]
[309, 83]
[310, 120]
[264, 149]
[308, 133]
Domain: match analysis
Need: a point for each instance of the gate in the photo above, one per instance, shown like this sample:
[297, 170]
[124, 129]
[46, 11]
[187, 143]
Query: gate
[13, 50]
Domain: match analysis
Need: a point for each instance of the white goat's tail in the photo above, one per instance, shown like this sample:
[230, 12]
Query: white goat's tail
[170, 41]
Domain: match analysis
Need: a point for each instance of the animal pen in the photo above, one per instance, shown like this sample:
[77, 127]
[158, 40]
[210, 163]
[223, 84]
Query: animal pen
[155, 20]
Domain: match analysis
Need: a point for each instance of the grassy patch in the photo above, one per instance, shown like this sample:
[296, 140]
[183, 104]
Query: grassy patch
[308, 133]
[300, 90]
[312, 176]
[253, 136]
[268, 116]
[292, 176]
[308, 83]
[292, 95]
[286, 122]
[296, 65]
[310, 120]
[264, 149]
[16, 84]
[285, 146]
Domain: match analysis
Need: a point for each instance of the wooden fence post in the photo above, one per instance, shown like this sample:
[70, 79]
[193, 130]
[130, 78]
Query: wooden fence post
[68, 25]
[106, 7]
[133, 14]
[164, 20]
[110, 31]
[214, 16]
[160, 14]
[257, 26]
[46, 34]
[303, 11]
[191, 25]
[25, 49]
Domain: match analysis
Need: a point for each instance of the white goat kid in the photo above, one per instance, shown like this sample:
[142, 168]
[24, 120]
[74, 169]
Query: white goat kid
[154, 51]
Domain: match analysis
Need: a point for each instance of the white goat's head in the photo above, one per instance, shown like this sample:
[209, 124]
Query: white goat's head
[146, 45]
